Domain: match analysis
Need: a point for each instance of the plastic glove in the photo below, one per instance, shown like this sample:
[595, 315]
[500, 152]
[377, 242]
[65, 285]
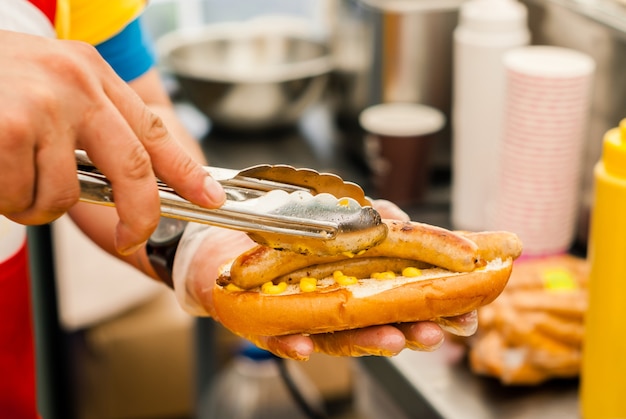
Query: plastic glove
[204, 249]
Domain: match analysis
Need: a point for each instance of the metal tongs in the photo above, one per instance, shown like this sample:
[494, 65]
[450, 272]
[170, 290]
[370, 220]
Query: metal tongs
[277, 205]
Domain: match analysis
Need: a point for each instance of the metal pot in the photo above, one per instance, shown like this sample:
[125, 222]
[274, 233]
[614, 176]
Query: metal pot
[394, 51]
[248, 75]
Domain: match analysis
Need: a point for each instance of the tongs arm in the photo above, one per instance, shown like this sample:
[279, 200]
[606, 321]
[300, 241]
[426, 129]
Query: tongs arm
[95, 188]
[271, 211]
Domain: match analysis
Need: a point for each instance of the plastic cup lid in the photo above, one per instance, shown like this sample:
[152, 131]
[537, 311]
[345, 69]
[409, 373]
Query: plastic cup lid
[402, 119]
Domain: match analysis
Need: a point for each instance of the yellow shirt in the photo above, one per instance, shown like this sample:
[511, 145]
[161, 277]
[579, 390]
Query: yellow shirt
[94, 21]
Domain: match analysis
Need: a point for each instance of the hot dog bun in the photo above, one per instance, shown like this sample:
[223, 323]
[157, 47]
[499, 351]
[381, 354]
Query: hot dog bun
[436, 292]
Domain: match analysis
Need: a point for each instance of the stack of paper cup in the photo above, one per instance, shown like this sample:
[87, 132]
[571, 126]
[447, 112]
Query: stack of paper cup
[540, 158]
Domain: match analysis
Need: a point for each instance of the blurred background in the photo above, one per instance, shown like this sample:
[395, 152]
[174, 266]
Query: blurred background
[288, 81]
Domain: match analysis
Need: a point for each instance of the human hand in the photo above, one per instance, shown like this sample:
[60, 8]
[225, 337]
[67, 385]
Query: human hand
[58, 96]
[203, 250]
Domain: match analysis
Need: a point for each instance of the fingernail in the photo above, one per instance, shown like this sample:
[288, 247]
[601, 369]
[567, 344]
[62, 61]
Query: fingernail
[297, 356]
[123, 240]
[418, 346]
[214, 191]
[126, 250]
[358, 350]
[298, 352]
[292, 354]
[458, 328]
[431, 338]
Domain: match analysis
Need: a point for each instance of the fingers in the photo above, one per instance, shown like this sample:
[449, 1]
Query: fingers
[422, 336]
[159, 155]
[17, 178]
[170, 162]
[37, 176]
[386, 340]
[81, 103]
[138, 148]
[127, 166]
[131, 145]
[55, 187]
[463, 325]
[376, 340]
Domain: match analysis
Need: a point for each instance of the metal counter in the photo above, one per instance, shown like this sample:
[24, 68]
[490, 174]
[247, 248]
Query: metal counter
[440, 385]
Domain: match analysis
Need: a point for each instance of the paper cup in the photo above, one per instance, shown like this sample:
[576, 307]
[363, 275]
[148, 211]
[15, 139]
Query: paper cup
[548, 93]
[398, 148]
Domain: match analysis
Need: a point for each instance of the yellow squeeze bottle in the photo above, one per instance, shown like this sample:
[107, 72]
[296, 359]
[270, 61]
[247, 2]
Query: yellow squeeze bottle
[603, 374]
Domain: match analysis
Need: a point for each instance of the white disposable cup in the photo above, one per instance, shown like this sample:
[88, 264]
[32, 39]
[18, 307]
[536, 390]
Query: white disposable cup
[546, 107]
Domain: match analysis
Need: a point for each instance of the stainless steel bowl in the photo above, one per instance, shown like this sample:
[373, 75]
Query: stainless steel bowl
[247, 76]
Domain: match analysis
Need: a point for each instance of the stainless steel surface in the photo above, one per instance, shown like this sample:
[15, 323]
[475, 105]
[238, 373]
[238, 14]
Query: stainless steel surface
[440, 385]
[276, 205]
[394, 51]
[248, 75]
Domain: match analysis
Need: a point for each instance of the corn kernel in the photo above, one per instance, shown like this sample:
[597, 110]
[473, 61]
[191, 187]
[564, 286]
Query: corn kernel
[344, 202]
[233, 287]
[308, 284]
[348, 254]
[337, 274]
[270, 288]
[381, 276]
[346, 280]
[411, 272]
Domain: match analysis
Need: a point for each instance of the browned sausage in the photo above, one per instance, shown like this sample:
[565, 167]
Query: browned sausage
[405, 240]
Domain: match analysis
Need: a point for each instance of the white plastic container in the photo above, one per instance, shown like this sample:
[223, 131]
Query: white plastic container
[486, 30]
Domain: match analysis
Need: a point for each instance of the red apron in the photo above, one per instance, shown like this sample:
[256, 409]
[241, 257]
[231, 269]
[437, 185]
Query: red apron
[17, 357]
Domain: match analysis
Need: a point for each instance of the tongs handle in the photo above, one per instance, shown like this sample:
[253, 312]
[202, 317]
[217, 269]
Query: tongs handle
[234, 214]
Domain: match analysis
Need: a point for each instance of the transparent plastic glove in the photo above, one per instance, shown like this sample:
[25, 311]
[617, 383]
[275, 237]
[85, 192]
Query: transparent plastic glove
[463, 325]
[200, 254]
